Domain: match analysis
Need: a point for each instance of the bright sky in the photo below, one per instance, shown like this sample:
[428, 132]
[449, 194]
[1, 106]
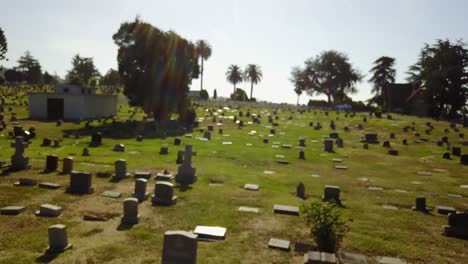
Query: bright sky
[275, 34]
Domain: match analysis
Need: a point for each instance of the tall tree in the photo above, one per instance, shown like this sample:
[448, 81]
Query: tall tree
[331, 74]
[30, 68]
[298, 79]
[156, 77]
[204, 53]
[49, 79]
[3, 45]
[82, 70]
[383, 74]
[442, 71]
[111, 78]
[254, 74]
[234, 75]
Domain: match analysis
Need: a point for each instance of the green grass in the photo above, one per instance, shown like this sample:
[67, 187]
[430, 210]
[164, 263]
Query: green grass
[375, 231]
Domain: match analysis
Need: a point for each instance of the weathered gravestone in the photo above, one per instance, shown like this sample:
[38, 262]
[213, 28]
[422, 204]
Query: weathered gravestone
[163, 194]
[302, 155]
[49, 210]
[456, 151]
[371, 138]
[25, 182]
[46, 142]
[19, 161]
[58, 239]
[164, 150]
[130, 212]
[179, 247]
[51, 163]
[67, 165]
[140, 189]
[464, 159]
[119, 148]
[120, 170]
[80, 183]
[12, 210]
[186, 172]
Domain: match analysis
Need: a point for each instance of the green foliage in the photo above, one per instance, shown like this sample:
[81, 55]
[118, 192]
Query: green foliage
[31, 69]
[331, 74]
[239, 95]
[326, 223]
[13, 75]
[49, 79]
[215, 94]
[3, 45]
[93, 82]
[82, 71]
[442, 71]
[253, 73]
[111, 78]
[383, 74]
[204, 95]
[155, 77]
[234, 75]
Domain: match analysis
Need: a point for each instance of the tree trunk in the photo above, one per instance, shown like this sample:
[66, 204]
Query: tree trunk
[298, 99]
[251, 90]
[234, 89]
[329, 98]
[201, 76]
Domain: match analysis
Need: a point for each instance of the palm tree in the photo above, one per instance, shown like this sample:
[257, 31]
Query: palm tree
[254, 74]
[234, 75]
[204, 52]
[383, 75]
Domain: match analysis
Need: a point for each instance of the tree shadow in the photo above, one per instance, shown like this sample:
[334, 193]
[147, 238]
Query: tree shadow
[132, 129]
[47, 257]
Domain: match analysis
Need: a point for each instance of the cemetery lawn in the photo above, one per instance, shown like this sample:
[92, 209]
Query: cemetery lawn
[374, 230]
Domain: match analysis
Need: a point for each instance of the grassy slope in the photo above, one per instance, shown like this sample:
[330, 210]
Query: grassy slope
[374, 230]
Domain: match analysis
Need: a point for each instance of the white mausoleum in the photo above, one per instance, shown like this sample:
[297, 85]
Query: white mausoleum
[71, 102]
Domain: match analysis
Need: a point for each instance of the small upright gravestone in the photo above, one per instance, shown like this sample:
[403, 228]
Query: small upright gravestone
[164, 150]
[456, 151]
[96, 139]
[51, 163]
[302, 155]
[179, 247]
[67, 165]
[328, 145]
[120, 170]
[207, 135]
[140, 189]
[464, 159]
[177, 141]
[80, 183]
[164, 194]
[339, 143]
[300, 191]
[331, 193]
[371, 138]
[180, 157]
[119, 148]
[85, 152]
[421, 205]
[130, 212]
[302, 142]
[19, 161]
[46, 142]
[186, 172]
[58, 240]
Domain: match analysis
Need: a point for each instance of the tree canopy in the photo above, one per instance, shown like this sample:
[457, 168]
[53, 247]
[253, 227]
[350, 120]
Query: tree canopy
[156, 68]
[442, 71]
[331, 74]
[383, 74]
[82, 71]
[253, 73]
[298, 79]
[3, 45]
[234, 75]
[204, 53]
[31, 68]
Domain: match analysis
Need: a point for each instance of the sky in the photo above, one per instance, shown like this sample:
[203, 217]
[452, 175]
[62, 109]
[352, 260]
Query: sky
[275, 34]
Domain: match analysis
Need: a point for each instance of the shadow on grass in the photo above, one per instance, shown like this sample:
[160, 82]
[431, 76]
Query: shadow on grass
[124, 227]
[183, 187]
[131, 129]
[47, 257]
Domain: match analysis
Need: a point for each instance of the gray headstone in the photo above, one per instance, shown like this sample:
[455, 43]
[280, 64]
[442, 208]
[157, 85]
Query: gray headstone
[163, 194]
[58, 240]
[130, 211]
[179, 247]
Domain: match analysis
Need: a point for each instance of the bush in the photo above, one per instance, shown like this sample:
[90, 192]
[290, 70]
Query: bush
[204, 95]
[239, 95]
[326, 223]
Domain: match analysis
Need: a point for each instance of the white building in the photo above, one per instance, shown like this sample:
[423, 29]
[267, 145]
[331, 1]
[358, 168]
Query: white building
[71, 102]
